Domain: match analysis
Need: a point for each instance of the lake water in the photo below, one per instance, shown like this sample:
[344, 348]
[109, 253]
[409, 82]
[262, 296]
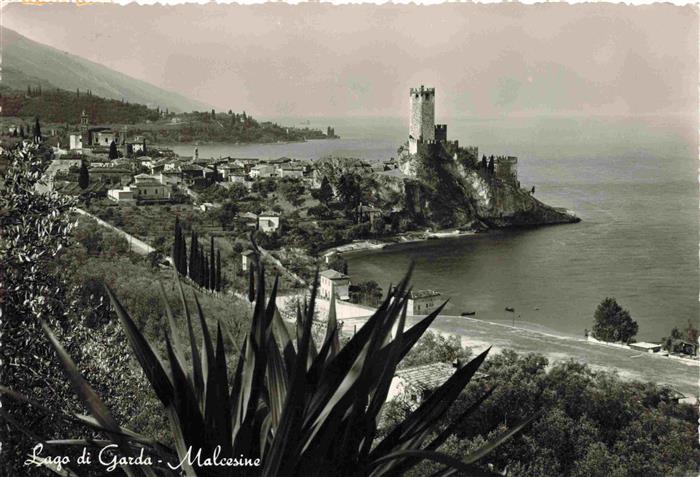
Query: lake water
[632, 181]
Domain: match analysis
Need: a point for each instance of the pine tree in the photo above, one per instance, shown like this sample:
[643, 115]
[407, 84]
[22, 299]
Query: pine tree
[84, 176]
[218, 271]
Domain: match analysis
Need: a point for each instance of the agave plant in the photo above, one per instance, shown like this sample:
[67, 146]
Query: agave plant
[293, 407]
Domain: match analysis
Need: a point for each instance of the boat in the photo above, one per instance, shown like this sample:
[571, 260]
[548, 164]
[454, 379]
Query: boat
[510, 308]
[468, 313]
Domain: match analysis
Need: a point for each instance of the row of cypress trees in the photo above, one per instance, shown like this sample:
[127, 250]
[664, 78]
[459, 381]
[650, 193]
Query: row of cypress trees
[202, 268]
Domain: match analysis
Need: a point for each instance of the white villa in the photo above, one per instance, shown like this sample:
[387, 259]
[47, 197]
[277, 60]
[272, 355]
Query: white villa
[269, 221]
[421, 302]
[145, 187]
[334, 282]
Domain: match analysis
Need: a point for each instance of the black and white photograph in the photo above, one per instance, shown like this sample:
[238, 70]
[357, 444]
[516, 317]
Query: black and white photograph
[353, 240]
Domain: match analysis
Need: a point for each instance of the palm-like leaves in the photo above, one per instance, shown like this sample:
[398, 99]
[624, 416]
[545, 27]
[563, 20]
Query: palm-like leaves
[300, 410]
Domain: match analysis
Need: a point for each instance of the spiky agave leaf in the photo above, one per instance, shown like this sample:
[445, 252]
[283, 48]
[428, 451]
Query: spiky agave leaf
[307, 411]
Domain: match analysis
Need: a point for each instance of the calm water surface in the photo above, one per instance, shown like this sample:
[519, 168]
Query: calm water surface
[632, 181]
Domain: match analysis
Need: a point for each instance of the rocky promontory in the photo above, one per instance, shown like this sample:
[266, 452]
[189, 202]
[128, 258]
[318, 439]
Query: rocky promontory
[445, 186]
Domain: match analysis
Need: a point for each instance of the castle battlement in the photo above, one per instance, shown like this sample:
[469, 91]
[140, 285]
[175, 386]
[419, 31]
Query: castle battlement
[422, 92]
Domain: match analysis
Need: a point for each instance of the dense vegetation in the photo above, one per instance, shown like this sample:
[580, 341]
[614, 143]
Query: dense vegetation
[221, 127]
[593, 424]
[156, 125]
[60, 106]
[55, 270]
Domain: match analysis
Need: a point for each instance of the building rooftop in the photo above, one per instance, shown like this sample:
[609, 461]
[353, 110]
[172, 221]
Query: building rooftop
[430, 376]
[645, 345]
[423, 294]
[333, 274]
[269, 213]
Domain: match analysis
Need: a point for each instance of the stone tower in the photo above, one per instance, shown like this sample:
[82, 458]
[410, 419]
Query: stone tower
[85, 128]
[422, 122]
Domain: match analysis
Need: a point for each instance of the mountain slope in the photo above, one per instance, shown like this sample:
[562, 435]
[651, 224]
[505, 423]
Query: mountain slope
[26, 62]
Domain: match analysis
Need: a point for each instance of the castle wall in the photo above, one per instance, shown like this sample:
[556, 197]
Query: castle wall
[506, 168]
[441, 132]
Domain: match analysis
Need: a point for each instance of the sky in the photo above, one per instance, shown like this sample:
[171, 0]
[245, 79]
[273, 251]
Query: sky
[360, 60]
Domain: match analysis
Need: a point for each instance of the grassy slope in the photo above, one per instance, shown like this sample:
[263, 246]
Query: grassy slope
[25, 62]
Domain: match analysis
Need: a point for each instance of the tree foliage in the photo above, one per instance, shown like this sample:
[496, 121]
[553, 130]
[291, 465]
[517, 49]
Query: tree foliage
[325, 193]
[613, 323]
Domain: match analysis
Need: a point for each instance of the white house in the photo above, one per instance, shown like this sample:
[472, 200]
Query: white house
[269, 221]
[421, 302]
[247, 258]
[262, 171]
[127, 194]
[334, 282]
[151, 187]
[105, 138]
[290, 171]
[76, 141]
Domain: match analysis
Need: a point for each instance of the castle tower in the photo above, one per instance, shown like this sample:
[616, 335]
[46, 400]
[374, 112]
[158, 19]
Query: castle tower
[422, 121]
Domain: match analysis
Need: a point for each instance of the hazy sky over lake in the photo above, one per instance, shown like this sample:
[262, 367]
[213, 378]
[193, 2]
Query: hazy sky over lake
[485, 60]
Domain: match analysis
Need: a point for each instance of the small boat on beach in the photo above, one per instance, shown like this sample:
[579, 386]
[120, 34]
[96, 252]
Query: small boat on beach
[468, 313]
[510, 308]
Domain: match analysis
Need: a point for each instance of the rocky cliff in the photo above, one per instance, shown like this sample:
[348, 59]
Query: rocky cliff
[442, 189]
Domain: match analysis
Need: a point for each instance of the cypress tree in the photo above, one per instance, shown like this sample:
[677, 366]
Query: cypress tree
[84, 176]
[183, 252]
[176, 246]
[251, 285]
[200, 268]
[218, 270]
[113, 153]
[194, 251]
[212, 265]
[207, 271]
[37, 131]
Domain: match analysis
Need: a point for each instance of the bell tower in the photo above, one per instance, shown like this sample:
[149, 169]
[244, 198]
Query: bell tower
[84, 127]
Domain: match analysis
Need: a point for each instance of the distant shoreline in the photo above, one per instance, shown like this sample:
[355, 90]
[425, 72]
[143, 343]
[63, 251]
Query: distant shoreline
[408, 237]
